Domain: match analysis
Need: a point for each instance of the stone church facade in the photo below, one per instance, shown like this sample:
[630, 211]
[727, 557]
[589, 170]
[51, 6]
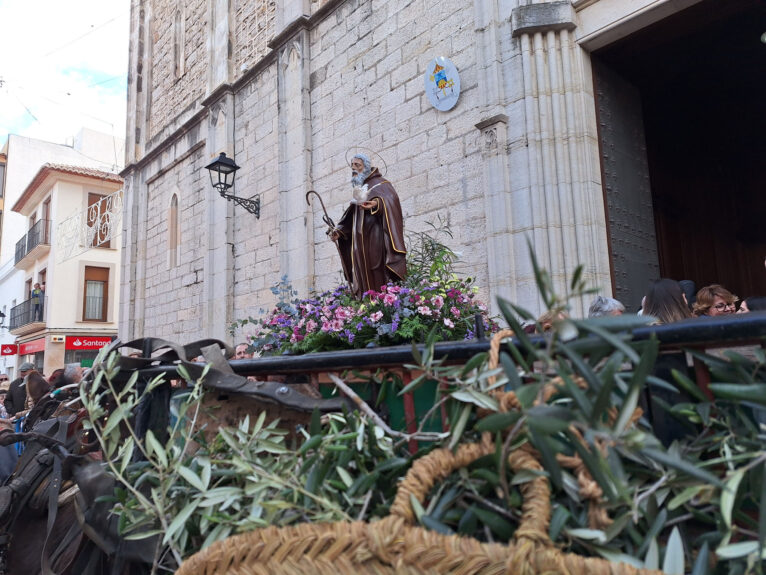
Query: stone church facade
[287, 87]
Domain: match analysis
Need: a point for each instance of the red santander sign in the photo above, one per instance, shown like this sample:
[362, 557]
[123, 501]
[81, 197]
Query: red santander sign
[9, 349]
[32, 346]
[87, 342]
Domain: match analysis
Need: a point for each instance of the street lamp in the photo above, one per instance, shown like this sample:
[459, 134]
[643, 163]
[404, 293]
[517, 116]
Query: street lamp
[222, 171]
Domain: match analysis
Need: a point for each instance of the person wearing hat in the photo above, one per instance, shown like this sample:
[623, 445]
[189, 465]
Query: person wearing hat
[16, 398]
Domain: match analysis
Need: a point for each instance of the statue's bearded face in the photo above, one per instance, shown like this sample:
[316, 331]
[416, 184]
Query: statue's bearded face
[359, 172]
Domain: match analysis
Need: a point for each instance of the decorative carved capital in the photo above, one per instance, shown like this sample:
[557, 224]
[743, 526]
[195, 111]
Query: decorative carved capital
[492, 134]
[543, 17]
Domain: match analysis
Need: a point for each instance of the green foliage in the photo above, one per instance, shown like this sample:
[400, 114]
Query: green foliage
[694, 502]
[194, 492]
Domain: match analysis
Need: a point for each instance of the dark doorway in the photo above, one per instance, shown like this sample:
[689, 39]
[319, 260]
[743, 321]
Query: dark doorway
[698, 81]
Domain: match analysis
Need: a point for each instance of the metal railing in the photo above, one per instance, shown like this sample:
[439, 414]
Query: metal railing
[28, 312]
[697, 333]
[38, 234]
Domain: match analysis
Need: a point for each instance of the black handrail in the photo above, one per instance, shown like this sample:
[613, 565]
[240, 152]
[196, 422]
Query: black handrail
[25, 313]
[39, 233]
[721, 331]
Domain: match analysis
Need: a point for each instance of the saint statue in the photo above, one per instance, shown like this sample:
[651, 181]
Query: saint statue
[370, 235]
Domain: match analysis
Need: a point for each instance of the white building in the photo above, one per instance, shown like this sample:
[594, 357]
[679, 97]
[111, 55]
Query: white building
[37, 197]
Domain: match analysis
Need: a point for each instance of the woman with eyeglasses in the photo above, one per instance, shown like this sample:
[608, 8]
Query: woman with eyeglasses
[715, 300]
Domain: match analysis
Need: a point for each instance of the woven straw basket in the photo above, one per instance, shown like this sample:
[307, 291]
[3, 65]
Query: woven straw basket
[395, 545]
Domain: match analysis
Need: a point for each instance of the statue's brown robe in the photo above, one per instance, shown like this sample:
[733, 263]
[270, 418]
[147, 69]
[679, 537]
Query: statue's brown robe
[371, 242]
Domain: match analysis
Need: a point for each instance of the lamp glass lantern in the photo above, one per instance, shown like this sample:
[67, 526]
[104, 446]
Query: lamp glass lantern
[222, 171]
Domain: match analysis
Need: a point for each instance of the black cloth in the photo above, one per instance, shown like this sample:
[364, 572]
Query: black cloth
[16, 398]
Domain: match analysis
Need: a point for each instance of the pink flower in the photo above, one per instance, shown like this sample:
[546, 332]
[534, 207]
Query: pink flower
[423, 310]
[482, 307]
[389, 299]
[448, 322]
[336, 324]
[454, 311]
[311, 325]
[438, 301]
[393, 289]
[326, 326]
[376, 317]
[343, 313]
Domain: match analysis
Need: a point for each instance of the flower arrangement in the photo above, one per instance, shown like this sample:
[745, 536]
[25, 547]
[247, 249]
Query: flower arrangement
[397, 314]
[432, 299]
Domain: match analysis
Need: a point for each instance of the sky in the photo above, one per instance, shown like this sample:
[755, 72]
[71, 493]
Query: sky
[63, 66]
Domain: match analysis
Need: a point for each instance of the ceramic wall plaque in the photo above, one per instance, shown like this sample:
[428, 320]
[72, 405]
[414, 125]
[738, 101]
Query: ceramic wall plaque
[442, 83]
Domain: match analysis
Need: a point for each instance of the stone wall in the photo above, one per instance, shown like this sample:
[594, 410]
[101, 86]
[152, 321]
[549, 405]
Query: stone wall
[173, 304]
[174, 91]
[254, 28]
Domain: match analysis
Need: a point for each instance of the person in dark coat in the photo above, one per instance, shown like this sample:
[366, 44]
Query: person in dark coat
[370, 235]
[17, 394]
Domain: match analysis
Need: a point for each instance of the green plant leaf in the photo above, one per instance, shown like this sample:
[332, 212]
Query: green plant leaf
[654, 529]
[762, 514]
[734, 550]
[681, 465]
[473, 363]
[456, 433]
[559, 519]
[180, 520]
[315, 427]
[548, 419]
[154, 446]
[674, 562]
[550, 464]
[582, 368]
[498, 421]
[477, 398]
[588, 534]
[652, 559]
[499, 526]
[435, 525]
[345, 476]
[121, 413]
[191, 478]
[754, 392]
[617, 557]
[729, 495]
[617, 342]
[506, 309]
[701, 562]
[511, 371]
[684, 496]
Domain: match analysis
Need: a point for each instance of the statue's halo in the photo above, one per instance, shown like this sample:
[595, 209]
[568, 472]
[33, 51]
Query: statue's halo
[351, 152]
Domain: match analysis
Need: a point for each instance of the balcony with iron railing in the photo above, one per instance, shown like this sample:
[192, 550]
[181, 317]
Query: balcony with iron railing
[29, 316]
[35, 244]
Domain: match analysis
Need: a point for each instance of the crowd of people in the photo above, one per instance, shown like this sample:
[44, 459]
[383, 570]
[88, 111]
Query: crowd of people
[669, 301]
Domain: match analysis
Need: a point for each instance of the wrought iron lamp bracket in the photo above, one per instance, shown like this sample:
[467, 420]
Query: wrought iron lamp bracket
[252, 205]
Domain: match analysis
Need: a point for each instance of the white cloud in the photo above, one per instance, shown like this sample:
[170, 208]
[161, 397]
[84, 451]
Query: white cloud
[64, 66]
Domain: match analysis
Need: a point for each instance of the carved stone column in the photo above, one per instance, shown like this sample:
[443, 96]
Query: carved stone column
[218, 288]
[562, 198]
[296, 246]
[493, 142]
